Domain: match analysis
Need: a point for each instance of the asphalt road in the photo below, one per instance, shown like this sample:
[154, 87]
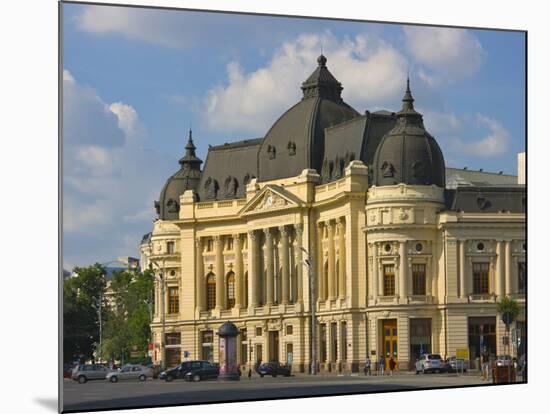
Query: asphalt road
[96, 395]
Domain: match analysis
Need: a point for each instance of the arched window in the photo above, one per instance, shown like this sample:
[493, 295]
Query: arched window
[230, 289]
[211, 291]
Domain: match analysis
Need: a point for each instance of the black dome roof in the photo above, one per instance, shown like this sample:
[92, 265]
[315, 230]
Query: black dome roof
[296, 139]
[186, 178]
[408, 153]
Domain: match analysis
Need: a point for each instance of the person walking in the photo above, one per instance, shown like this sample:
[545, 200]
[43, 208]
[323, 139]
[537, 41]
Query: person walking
[392, 365]
[249, 373]
[367, 366]
[381, 363]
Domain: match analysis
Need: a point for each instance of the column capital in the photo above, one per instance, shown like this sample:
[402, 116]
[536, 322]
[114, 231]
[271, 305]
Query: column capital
[283, 230]
[340, 222]
[268, 234]
[299, 228]
[329, 224]
[218, 239]
[198, 241]
[252, 234]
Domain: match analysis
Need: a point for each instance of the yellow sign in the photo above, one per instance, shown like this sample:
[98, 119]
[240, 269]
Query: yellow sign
[462, 353]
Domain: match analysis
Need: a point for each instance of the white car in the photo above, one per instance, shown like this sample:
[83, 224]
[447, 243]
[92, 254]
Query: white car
[130, 372]
[429, 363]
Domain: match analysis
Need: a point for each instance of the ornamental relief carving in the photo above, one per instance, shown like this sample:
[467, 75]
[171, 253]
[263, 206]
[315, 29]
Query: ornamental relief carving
[270, 200]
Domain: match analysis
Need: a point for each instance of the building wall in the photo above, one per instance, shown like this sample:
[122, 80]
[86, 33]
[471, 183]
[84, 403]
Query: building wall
[346, 228]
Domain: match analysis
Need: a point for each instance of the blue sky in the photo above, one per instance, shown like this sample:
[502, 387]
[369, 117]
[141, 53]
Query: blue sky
[136, 79]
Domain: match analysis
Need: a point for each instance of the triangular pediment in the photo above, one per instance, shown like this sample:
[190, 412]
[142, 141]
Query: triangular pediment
[271, 197]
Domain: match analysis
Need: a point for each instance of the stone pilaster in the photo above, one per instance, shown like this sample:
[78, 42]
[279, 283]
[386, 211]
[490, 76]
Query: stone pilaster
[300, 275]
[331, 272]
[220, 270]
[285, 282]
[508, 266]
[239, 274]
[341, 259]
[402, 271]
[462, 269]
[375, 272]
[252, 269]
[200, 282]
[269, 265]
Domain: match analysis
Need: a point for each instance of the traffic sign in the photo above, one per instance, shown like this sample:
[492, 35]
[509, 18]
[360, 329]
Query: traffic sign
[462, 353]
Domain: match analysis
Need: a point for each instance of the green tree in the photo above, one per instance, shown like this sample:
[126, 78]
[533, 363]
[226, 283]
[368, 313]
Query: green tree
[80, 318]
[127, 326]
[508, 306]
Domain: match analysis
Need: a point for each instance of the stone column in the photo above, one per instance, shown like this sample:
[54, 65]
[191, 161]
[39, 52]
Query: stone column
[402, 270]
[239, 273]
[220, 270]
[508, 267]
[285, 275]
[341, 259]
[499, 279]
[252, 269]
[269, 265]
[331, 272]
[200, 288]
[375, 272]
[299, 281]
[321, 292]
[462, 272]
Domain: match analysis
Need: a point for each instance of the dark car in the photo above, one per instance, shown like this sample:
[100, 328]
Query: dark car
[273, 369]
[179, 371]
[202, 370]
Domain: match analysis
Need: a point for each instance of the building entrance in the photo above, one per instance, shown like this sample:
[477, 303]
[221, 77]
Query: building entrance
[481, 337]
[389, 340]
[420, 338]
[273, 346]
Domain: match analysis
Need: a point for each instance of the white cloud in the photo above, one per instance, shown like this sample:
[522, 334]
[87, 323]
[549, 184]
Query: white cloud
[107, 193]
[438, 123]
[493, 144]
[444, 53]
[371, 71]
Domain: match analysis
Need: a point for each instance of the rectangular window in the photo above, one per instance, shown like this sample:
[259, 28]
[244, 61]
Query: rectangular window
[170, 247]
[333, 341]
[481, 278]
[419, 279]
[389, 280]
[208, 345]
[173, 300]
[259, 331]
[323, 342]
[173, 338]
[522, 277]
[289, 329]
[344, 344]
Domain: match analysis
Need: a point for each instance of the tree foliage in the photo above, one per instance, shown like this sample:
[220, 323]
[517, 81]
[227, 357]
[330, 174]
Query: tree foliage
[508, 305]
[81, 295]
[127, 326]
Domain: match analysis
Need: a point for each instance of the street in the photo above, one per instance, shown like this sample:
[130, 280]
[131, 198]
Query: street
[95, 395]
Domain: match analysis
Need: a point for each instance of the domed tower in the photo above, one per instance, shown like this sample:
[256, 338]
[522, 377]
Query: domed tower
[187, 178]
[296, 139]
[408, 154]
[403, 203]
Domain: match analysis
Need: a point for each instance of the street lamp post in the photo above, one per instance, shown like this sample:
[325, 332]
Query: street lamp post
[309, 263]
[98, 305]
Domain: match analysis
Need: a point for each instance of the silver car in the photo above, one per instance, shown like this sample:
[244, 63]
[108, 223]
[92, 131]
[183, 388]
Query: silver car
[130, 372]
[87, 372]
[428, 363]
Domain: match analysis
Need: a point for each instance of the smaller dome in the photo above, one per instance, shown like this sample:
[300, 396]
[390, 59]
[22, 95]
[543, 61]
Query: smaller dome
[186, 178]
[408, 154]
[228, 329]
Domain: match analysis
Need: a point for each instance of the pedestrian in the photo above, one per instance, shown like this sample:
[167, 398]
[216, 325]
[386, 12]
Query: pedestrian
[249, 373]
[367, 366]
[381, 363]
[485, 365]
[392, 365]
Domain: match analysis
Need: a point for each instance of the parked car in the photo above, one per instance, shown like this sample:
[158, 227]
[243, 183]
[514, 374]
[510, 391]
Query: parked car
[273, 369]
[428, 363]
[130, 372]
[87, 372]
[177, 372]
[201, 370]
[503, 360]
[453, 364]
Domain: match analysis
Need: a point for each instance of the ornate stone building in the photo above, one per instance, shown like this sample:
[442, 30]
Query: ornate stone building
[407, 256]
